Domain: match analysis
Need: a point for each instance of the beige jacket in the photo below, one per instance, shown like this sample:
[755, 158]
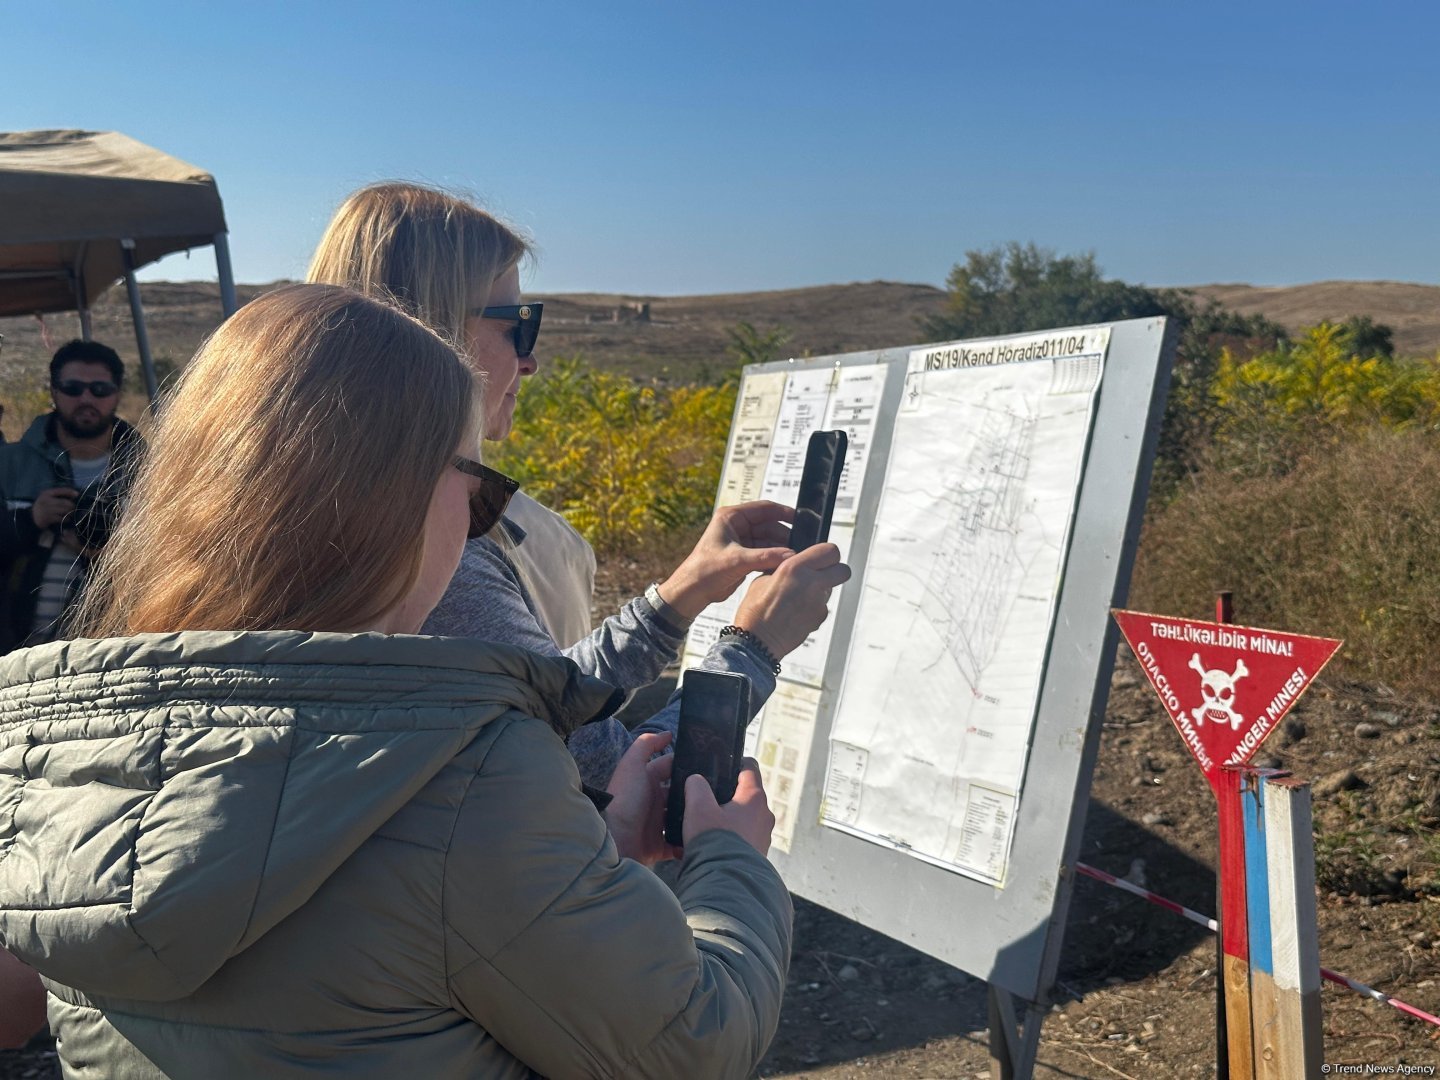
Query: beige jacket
[558, 568]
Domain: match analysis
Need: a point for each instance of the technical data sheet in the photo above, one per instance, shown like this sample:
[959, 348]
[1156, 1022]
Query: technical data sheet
[741, 478]
[781, 743]
[802, 408]
[942, 679]
[749, 451]
[807, 663]
[854, 403]
[794, 404]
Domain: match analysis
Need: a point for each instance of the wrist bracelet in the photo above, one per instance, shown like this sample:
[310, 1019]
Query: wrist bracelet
[754, 642]
[664, 610]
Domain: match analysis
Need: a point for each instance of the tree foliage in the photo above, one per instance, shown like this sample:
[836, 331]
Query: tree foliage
[1018, 288]
[1015, 288]
[1365, 337]
[747, 345]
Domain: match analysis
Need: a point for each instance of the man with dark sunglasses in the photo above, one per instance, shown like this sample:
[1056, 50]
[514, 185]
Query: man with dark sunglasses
[62, 482]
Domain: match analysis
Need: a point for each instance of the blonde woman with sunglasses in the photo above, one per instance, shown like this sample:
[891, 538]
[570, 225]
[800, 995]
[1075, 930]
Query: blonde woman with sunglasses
[529, 581]
[251, 826]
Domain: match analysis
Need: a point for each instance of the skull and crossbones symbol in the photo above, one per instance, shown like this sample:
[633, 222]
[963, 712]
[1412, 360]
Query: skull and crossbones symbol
[1219, 690]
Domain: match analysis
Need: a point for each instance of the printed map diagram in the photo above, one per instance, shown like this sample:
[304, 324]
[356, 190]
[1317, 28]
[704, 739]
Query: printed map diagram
[974, 577]
[933, 723]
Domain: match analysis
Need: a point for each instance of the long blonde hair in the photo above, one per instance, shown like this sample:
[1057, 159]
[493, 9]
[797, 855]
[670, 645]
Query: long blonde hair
[432, 253]
[426, 250]
[290, 475]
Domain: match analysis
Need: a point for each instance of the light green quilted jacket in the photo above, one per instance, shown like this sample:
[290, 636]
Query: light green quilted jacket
[281, 854]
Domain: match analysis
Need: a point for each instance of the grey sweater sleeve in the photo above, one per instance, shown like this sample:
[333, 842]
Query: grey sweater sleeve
[729, 655]
[486, 600]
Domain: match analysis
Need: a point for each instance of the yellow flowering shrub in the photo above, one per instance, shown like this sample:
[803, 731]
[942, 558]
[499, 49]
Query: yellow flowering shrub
[1318, 388]
[626, 462]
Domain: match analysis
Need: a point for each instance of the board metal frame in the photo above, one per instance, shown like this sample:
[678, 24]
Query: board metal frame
[1008, 936]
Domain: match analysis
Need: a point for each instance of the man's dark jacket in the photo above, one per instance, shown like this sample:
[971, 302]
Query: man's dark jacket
[28, 467]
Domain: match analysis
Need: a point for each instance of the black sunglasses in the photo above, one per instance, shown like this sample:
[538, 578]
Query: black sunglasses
[526, 318]
[76, 387]
[487, 504]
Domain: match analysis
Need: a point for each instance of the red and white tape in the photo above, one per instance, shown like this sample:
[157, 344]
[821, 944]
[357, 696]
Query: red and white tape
[1214, 927]
[1146, 894]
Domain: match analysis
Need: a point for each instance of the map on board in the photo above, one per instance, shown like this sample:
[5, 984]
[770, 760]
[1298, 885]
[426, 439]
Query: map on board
[946, 655]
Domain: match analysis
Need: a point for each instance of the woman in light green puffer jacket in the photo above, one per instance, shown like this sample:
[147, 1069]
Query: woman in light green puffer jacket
[256, 828]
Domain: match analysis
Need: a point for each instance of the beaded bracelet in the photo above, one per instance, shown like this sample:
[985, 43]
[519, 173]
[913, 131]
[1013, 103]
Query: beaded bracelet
[754, 642]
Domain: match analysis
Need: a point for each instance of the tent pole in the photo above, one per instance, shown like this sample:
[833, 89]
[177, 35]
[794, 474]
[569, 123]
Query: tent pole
[227, 274]
[137, 316]
[77, 282]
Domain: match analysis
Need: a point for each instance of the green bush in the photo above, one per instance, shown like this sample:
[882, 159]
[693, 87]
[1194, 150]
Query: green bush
[628, 463]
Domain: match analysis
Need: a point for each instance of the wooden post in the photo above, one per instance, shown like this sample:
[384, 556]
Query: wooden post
[1234, 931]
[1263, 1008]
[1295, 1042]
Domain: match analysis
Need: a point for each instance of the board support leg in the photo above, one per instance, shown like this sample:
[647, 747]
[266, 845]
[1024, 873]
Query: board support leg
[1012, 1048]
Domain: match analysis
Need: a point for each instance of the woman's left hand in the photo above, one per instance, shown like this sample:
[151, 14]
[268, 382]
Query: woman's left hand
[636, 814]
[739, 541]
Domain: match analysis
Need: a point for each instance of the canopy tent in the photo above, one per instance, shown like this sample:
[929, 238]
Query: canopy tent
[81, 209]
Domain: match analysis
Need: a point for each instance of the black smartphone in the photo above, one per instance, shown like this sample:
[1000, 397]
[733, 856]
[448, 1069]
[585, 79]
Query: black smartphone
[819, 484]
[714, 709]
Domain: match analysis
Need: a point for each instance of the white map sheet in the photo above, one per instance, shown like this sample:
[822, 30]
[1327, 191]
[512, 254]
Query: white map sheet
[933, 724]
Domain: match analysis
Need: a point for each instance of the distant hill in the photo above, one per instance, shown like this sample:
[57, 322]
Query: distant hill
[1413, 311]
[680, 338]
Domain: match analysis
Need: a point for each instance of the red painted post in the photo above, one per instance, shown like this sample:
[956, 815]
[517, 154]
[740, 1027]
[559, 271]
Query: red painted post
[1233, 1045]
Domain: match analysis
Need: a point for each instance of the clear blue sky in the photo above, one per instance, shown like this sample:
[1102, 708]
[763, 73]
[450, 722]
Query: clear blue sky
[717, 146]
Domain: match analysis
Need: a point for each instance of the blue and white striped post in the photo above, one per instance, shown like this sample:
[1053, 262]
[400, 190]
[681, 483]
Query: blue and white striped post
[1295, 1040]
[1264, 1008]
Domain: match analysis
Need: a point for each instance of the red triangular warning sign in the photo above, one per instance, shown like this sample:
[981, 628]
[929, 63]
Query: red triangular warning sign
[1225, 687]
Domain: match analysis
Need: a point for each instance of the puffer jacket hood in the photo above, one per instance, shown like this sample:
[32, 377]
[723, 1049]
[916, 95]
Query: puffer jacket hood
[165, 800]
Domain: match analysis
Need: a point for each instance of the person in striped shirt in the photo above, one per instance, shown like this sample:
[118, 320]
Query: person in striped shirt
[62, 484]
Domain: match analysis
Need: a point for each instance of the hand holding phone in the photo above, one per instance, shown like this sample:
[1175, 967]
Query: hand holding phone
[714, 710]
[747, 815]
[819, 484]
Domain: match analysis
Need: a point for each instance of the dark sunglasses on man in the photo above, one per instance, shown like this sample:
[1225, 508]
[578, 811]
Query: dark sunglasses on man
[489, 500]
[75, 387]
[526, 318]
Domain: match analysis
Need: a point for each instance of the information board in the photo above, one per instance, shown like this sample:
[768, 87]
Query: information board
[927, 752]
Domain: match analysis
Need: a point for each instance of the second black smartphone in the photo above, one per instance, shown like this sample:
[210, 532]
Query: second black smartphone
[819, 484]
[714, 709]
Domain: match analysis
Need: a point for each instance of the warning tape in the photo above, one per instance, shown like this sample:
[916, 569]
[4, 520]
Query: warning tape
[1214, 927]
[1378, 995]
[1146, 894]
